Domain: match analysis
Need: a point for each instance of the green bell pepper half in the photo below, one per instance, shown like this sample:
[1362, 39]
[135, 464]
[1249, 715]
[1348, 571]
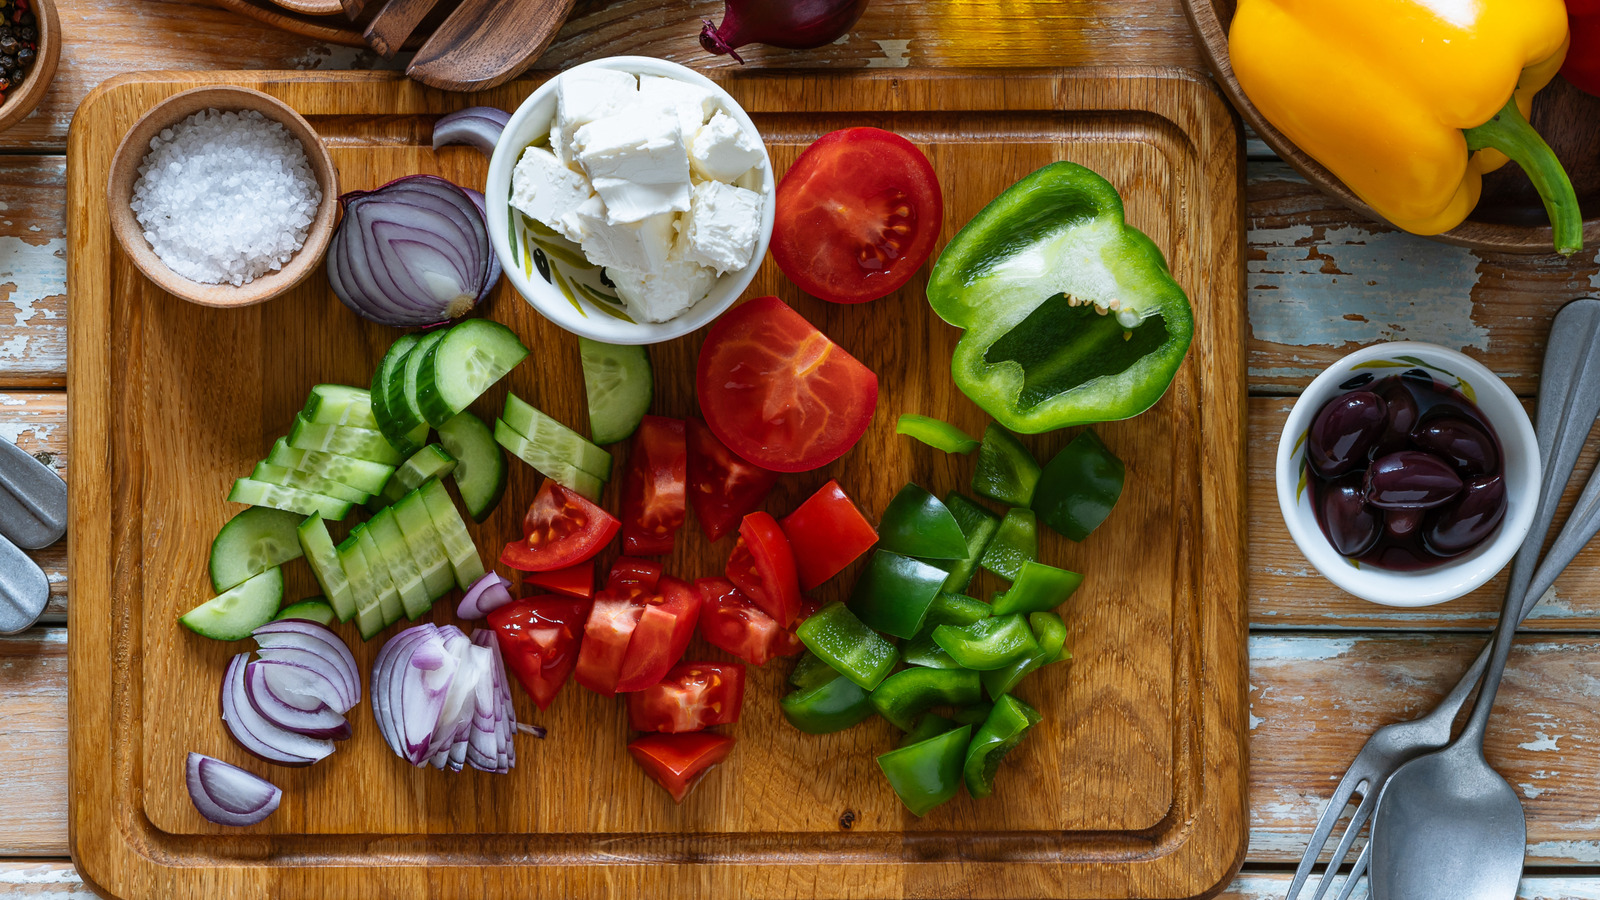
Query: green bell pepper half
[1050, 633]
[923, 651]
[988, 643]
[810, 671]
[1014, 543]
[1006, 472]
[954, 609]
[894, 592]
[833, 706]
[844, 642]
[930, 725]
[1037, 587]
[917, 524]
[978, 526]
[910, 692]
[1071, 315]
[937, 434]
[999, 734]
[927, 773]
[972, 715]
[1079, 486]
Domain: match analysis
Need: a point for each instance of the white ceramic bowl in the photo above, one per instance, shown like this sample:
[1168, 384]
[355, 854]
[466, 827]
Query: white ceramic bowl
[1461, 574]
[583, 314]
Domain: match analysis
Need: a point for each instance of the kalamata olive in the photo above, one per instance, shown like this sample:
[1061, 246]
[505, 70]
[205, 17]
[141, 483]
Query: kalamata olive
[1402, 524]
[1465, 523]
[1461, 441]
[1411, 479]
[1344, 431]
[1402, 408]
[1352, 527]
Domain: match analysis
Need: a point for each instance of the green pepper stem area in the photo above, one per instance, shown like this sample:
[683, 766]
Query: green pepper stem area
[1511, 134]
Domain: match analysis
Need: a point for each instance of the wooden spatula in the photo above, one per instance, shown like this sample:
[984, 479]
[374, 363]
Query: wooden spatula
[393, 23]
[485, 43]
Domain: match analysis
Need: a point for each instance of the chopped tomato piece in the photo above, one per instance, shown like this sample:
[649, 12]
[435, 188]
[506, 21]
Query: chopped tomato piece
[560, 530]
[677, 762]
[693, 696]
[729, 621]
[663, 633]
[826, 533]
[722, 487]
[763, 567]
[653, 491]
[573, 581]
[539, 640]
[612, 621]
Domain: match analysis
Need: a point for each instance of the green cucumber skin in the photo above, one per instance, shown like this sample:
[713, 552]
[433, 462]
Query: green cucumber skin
[369, 612]
[233, 614]
[340, 404]
[378, 567]
[343, 440]
[323, 558]
[306, 481]
[312, 609]
[562, 472]
[453, 534]
[402, 399]
[402, 568]
[392, 361]
[614, 415]
[411, 513]
[234, 542]
[364, 475]
[258, 493]
[481, 471]
[439, 398]
[540, 428]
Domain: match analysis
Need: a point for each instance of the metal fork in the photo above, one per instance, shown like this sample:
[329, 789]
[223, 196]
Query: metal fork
[1569, 402]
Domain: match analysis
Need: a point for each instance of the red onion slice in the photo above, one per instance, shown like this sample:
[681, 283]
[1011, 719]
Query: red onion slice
[486, 595]
[304, 679]
[228, 795]
[259, 737]
[443, 700]
[476, 126]
[319, 723]
[277, 634]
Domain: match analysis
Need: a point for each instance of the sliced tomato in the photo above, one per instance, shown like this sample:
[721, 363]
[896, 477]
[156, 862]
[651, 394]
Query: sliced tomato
[729, 621]
[612, 621]
[762, 566]
[722, 487]
[663, 633]
[560, 530]
[653, 488]
[539, 640]
[631, 574]
[826, 533]
[573, 581]
[778, 393]
[693, 696]
[857, 215]
[677, 762]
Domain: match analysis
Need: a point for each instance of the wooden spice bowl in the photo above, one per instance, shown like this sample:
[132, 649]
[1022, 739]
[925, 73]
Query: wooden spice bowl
[125, 172]
[36, 83]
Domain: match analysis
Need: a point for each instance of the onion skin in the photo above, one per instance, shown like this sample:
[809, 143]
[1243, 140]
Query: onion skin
[790, 24]
[475, 126]
[228, 795]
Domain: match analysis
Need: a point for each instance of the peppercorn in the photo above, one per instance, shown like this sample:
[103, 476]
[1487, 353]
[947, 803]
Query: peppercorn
[25, 56]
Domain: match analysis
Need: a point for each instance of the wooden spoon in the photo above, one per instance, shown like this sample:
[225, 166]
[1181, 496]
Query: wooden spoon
[485, 43]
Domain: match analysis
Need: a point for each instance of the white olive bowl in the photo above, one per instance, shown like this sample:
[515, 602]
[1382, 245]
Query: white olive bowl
[1520, 461]
[572, 295]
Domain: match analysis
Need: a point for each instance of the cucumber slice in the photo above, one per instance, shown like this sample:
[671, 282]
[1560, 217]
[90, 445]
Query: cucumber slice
[312, 609]
[325, 565]
[430, 462]
[364, 475]
[305, 481]
[402, 388]
[565, 474]
[620, 384]
[393, 362]
[346, 440]
[468, 361]
[403, 569]
[378, 568]
[259, 493]
[453, 534]
[340, 404]
[426, 549]
[233, 614]
[251, 543]
[369, 612]
[480, 470]
[558, 440]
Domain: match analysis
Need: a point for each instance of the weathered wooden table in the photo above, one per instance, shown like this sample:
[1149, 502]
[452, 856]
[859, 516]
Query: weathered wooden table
[1325, 668]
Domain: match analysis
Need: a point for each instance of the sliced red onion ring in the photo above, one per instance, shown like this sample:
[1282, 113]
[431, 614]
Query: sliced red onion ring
[323, 722]
[290, 632]
[304, 680]
[228, 795]
[443, 699]
[477, 126]
[486, 595]
[259, 737]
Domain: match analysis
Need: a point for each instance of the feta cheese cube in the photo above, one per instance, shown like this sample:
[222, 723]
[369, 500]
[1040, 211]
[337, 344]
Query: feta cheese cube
[691, 103]
[549, 192]
[641, 246]
[637, 162]
[665, 295]
[723, 151]
[584, 95]
[722, 226]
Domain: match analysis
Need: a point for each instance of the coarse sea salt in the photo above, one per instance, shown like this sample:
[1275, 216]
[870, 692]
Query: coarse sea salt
[225, 197]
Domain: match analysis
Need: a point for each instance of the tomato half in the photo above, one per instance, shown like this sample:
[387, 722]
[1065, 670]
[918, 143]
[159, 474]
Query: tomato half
[677, 762]
[663, 633]
[612, 620]
[692, 697]
[539, 640]
[722, 487]
[827, 533]
[778, 393]
[573, 581]
[762, 566]
[653, 487]
[729, 621]
[560, 530]
[857, 215]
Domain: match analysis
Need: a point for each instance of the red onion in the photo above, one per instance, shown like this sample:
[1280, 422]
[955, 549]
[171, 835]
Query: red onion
[319, 640]
[486, 595]
[791, 24]
[477, 126]
[259, 737]
[413, 252]
[322, 721]
[441, 699]
[228, 795]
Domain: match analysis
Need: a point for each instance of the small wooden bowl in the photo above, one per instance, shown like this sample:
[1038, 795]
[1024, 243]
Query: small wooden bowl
[125, 171]
[36, 83]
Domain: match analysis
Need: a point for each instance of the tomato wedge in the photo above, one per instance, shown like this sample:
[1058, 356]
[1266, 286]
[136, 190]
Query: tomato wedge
[762, 566]
[653, 487]
[729, 621]
[827, 533]
[677, 762]
[539, 640]
[722, 487]
[573, 581]
[560, 530]
[778, 393]
[692, 697]
[612, 621]
[857, 215]
[663, 633]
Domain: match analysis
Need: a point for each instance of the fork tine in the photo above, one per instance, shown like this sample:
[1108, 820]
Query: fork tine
[1356, 871]
[1358, 819]
[1319, 838]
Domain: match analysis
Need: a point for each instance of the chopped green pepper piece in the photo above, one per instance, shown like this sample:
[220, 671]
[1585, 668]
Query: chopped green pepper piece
[988, 643]
[930, 725]
[999, 734]
[1051, 635]
[1071, 316]
[1079, 487]
[922, 651]
[844, 642]
[927, 773]
[917, 524]
[936, 434]
[908, 693]
[972, 715]
[810, 671]
[1015, 543]
[827, 708]
[1006, 471]
[894, 592]
[954, 609]
[1037, 587]
[978, 526]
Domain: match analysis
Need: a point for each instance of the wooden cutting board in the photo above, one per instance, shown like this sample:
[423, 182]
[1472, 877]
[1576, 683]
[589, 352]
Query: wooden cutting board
[1133, 786]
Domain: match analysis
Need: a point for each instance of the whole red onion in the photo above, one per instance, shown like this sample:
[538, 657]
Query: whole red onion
[791, 24]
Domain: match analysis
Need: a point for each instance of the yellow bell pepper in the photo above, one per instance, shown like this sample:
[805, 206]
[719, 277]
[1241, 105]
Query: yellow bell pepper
[1409, 102]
